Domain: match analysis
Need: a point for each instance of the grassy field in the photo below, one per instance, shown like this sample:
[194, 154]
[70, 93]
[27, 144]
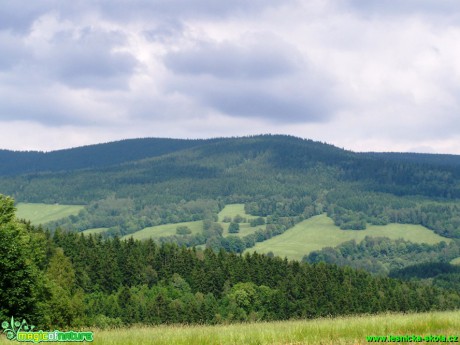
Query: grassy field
[345, 330]
[245, 229]
[455, 261]
[94, 231]
[165, 230]
[319, 232]
[233, 210]
[43, 213]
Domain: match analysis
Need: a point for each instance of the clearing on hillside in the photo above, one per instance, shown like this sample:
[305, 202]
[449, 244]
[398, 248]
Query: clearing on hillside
[232, 210]
[94, 231]
[455, 261]
[44, 213]
[319, 231]
[165, 230]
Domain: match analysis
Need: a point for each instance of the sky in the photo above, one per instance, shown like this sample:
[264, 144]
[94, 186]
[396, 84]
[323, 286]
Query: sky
[365, 75]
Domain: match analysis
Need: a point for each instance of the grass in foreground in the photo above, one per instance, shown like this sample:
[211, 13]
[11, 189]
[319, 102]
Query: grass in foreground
[342, 330]
[44, 213]
[319, 232]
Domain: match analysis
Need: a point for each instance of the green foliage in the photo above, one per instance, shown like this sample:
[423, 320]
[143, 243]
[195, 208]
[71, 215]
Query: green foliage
[234, 228]
[92, 281]
[382, 255]
[257, 221]
[183, 230]
[64, 306]
[7, 209]
[22, 255]
[145, 282]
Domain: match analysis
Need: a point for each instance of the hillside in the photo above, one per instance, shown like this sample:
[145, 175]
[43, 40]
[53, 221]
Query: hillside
[89, 157]
[228, 166]
[320, 232]
[135, 184]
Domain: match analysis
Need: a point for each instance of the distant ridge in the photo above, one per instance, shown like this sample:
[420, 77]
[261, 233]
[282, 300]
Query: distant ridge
[91, 156]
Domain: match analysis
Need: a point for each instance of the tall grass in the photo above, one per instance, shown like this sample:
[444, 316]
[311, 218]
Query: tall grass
[343, 330]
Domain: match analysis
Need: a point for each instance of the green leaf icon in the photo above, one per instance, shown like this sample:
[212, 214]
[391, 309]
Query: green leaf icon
[17, 324]
[26, 328]
[5, 324]
[10, 335]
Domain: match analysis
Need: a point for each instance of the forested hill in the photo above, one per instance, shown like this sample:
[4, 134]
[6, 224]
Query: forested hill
[132, 184]
[446, 160]
[189, 169]
[91, 156]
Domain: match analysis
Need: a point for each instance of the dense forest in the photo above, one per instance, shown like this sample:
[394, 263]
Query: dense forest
[67, 280]
[129, 185]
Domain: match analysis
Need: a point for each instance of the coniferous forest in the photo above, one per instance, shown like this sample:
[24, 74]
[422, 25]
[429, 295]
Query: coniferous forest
[67, 279]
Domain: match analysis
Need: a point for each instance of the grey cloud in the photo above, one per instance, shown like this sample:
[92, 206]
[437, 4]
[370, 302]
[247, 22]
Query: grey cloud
[19, 15]
[40, 107]
[144, 9]
[164, 31]
[13, 50]
[401, 8]
[289, 101]
[229, 60]
[271, 106]
[89, 60]
[258, 76]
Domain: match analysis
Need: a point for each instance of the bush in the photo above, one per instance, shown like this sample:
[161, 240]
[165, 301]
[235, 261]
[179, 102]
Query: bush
[234, 228]
[183, 230]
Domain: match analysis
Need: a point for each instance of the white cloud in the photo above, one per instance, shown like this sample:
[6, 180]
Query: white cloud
[371, 75]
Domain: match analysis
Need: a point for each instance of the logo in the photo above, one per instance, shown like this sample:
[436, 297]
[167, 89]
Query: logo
[23, 332]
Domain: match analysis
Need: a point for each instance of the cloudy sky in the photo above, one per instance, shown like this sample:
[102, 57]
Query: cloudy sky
[365, 75]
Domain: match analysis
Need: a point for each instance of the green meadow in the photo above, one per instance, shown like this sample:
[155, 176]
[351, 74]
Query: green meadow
[245, 229]
[319, 232]
[455, 261]
[342, 330]
[95, 231]
[44, 213]
[232, 211]
[165, 230]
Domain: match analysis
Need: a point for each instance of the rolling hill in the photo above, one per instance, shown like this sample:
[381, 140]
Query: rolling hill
[131, 185]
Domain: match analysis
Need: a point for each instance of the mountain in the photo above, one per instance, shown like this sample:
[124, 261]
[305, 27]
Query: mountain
[89, 157]
[146, 177]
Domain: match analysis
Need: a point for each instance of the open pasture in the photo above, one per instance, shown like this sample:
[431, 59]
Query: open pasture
[165, 230]
[319, 231]
[44, 213]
